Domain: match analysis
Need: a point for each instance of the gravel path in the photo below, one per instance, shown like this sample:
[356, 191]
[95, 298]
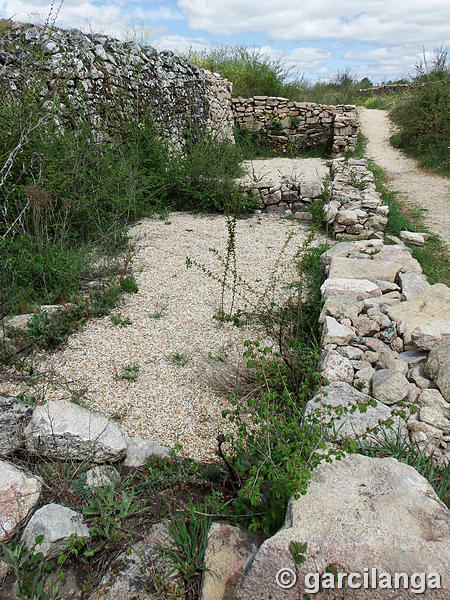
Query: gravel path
[172, 321]
[415, 186]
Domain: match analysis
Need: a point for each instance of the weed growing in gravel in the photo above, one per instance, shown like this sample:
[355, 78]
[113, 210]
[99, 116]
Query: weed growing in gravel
[220, 356]
[119, 415]
[120, 321]
[128, 285]
[159, 312]
[180, 359]
[46, 330]
[129, 372]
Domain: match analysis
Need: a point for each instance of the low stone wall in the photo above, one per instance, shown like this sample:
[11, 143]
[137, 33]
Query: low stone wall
[289, 124]
[355, 209]
[393, 87]
[288, 196]
[386, 335]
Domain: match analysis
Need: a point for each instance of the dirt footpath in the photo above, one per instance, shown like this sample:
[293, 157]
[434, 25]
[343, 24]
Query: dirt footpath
[416, 187]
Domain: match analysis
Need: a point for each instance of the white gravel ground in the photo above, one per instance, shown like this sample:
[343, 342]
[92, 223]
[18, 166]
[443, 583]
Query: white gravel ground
[169, 403]
[275, 169]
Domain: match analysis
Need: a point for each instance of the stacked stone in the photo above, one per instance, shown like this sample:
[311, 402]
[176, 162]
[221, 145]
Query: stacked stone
[345, 129]
[97, 73]
[289, 196]
[289, 124]
[220, 115]
[386, 335]
[355, 210]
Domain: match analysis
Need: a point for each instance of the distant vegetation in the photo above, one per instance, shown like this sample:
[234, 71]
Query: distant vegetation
[422, 113]
[255, 74]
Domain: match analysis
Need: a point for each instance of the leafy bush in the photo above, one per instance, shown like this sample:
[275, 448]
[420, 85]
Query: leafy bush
[423, 115]
[66, 196]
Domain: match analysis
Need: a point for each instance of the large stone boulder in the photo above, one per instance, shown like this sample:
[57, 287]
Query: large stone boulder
[340, 397]
[431, 306]
[19, 494]
[14, 415]
[352, 250]
[358, 514]
[335, 333]
[434, 410]
[412, 284]
[62, 429]
[335, 367]
[425, 336]
[228, 551]
[438, 366]
[340, 307]
[139, 451]
[358, 289]
[56, 524]
[399, 253]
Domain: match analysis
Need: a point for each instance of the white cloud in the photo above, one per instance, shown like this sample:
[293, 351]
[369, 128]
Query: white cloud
[380, 21]
[386, 63]
[177, 43]
[113, 17]
[298, 59]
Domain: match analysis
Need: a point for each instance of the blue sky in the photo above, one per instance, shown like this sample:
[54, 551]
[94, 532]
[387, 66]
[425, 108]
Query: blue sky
[382, 39]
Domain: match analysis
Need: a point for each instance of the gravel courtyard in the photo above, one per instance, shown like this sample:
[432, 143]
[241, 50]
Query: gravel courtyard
[172, 323]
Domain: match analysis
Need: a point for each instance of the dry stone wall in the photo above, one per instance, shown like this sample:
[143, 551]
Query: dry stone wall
[386, 335]
[220, 121]
[97, 75]
[289, 124]
[355, 209]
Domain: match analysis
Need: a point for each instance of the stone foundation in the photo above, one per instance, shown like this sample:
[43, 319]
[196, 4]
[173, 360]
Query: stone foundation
[386, 332]
[298, 125]
[355, 209]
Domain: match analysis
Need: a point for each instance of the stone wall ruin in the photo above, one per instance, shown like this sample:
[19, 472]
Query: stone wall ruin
[95, 73]
[298, 125]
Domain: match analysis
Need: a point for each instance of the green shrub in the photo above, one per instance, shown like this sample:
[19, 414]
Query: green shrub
[423, 116]
[250, 72]
[274, 449]
[66, 197]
